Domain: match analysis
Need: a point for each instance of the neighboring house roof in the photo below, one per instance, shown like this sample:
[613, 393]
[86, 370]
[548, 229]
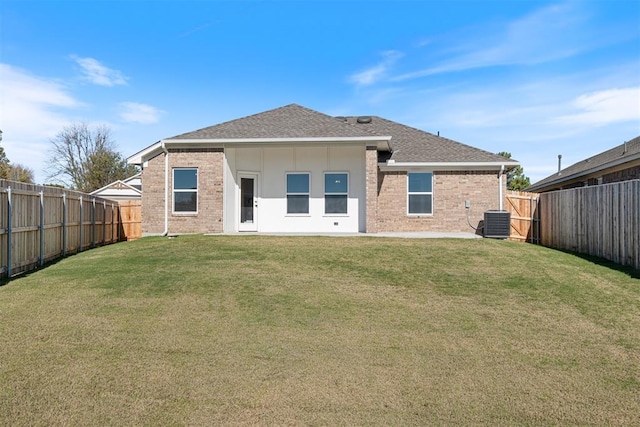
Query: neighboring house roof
[614, 158]
[120, 189]
[296, 124]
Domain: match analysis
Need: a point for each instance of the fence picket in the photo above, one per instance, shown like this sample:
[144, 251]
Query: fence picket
[524, 216]
[599, 220]
[39, 224]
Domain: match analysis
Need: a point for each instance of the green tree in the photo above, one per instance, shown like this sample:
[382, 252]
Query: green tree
[85, 159]
[516, 179]
[13, 172]
[107, 166]
[4, 162]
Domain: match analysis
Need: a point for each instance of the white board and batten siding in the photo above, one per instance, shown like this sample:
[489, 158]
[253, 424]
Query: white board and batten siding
[271, 165]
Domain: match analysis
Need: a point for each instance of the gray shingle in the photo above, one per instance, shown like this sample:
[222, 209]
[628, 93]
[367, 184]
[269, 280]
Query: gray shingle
[294, 121]
[290, 121]
[617, 153]
[414, 145]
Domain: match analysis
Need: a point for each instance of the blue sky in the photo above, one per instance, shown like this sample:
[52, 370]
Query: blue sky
[534, 78]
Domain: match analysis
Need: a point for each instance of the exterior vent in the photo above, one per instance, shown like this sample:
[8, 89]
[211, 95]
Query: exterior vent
[364, 119]
[497, 224]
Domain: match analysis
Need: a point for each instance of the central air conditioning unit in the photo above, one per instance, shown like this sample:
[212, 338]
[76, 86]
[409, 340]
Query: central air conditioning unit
[497, 224]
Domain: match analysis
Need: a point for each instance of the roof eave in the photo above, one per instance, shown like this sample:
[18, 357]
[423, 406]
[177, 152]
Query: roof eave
[381, 142]
[390, 165]
[565, 178]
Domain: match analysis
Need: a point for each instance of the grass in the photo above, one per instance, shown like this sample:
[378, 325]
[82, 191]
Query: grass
[203, 330]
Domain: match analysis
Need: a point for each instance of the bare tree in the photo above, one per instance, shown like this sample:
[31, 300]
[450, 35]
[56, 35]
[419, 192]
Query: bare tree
[86, 160]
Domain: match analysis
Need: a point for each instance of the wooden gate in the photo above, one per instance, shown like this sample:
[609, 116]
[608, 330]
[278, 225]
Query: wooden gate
[131, 219]
[525, 216]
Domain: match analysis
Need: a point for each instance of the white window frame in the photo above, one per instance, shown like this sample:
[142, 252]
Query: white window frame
[287, 194]
[324, 181]
[418, 193]
[177, 190]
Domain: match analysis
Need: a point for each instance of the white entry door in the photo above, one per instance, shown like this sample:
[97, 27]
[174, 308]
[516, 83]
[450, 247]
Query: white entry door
[248, 202]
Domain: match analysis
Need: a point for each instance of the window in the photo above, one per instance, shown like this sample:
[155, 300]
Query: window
[420, 193]
[336, 192]
[297, 193]
[185, 190]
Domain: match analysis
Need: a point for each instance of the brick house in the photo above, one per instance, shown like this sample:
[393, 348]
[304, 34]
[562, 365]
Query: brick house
[293, 169]
[620, 163]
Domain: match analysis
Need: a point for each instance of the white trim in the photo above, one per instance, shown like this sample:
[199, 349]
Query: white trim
[324, 139]
[143, 155]
[174, 191]
[286, 193]
[382, 143]
[500, 189]
[434, 166]
[324, 193]
[95, 192]
[166, 190]
[248, 226]
[420, 193]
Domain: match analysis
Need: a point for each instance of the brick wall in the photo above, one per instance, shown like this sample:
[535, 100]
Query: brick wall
[450, 190]
[371, 192]
[387, 212]
[210, 165]
[153, 196]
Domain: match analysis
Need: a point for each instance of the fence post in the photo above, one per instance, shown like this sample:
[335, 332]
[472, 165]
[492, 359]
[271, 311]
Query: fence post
[104, 223]
[113, 222]
[9, 219]
[64, 224]
[41, 228]
[81, 223]
[93, 223]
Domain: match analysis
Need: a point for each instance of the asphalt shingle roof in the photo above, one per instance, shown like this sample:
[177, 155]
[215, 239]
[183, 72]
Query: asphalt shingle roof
[294, 121]
[601, 160]
[290, 121]
[414, 145]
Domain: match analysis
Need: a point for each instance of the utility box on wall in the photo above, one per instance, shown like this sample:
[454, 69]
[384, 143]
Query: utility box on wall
[497, 224]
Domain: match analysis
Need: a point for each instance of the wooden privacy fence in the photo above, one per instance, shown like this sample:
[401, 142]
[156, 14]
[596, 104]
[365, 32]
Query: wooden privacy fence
[39, 224]
[602, 220]
[131, 219]
[525, 216]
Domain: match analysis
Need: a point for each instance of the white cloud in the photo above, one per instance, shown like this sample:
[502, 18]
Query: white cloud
[30, 104]
[32, 110]
[547, 34]
[97, 73]
[375, 73]
[134, 112]
[604, 107]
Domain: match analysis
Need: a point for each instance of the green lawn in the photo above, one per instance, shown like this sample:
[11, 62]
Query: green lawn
[209, 330]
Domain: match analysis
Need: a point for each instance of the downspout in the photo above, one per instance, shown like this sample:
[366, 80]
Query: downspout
[500, 184]
[166, 190]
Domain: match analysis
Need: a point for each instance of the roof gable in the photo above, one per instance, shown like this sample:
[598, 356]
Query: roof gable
[118, 186]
